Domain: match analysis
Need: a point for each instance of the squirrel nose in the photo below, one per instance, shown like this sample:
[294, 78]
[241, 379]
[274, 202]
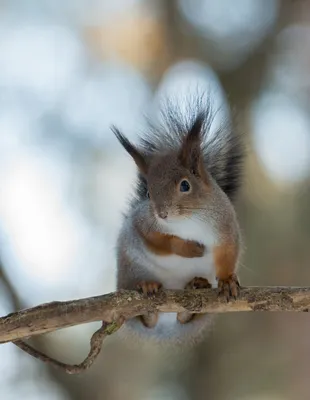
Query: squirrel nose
[163, 214]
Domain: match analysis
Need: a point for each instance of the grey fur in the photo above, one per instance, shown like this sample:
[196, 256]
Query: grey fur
[223, 156]
[132, 256]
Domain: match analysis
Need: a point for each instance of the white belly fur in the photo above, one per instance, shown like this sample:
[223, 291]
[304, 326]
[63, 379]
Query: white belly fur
[173, 271]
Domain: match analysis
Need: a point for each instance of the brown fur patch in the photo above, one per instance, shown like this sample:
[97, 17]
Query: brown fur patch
[225, 259]
[164, 245]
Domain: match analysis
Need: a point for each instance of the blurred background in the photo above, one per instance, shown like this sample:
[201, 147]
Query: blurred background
[68, 70]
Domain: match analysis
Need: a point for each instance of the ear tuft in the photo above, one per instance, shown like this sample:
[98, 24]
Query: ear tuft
[132, 150]
[190, 152]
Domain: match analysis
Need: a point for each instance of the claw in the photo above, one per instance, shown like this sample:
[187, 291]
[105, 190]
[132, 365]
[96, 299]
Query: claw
[229, 287]
[149, 288]
[198, 283]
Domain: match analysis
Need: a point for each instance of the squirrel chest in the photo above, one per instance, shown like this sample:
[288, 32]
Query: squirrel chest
[181, 253]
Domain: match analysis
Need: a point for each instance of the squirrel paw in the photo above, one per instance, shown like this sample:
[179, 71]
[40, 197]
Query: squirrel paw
[229, 287]
[196, 283]
[195, 249]
[149, 288]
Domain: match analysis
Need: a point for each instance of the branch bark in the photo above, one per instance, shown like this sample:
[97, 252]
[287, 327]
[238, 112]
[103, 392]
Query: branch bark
[114, 308]
[128, 304]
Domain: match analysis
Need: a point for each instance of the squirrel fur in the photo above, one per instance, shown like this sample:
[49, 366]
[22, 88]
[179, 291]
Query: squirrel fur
[181, 230]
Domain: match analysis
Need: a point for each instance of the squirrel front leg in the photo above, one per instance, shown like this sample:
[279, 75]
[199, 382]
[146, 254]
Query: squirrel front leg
[165, 244]
[187, 249]
[225, 259]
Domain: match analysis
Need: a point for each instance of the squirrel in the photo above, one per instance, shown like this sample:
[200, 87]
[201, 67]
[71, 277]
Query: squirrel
[181, 230]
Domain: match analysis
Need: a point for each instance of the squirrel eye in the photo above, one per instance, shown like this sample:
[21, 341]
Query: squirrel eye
[148, 194]
[184, 186]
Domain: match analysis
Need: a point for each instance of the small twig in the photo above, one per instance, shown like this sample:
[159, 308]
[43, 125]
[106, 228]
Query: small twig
[95, 348]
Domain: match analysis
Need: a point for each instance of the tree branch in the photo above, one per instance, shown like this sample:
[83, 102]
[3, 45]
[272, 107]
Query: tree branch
[128, 304]
[116, 307]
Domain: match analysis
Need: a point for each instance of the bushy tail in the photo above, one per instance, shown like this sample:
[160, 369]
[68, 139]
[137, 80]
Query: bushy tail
[224, 152]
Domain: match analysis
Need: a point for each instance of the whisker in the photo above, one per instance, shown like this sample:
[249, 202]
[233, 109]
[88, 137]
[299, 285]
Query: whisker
[252, 271]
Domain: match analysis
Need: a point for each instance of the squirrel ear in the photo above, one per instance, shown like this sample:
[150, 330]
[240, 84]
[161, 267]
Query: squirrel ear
[132, 150]
[190, 153]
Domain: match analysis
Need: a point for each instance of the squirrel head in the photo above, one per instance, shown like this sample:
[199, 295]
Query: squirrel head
[177, 181]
